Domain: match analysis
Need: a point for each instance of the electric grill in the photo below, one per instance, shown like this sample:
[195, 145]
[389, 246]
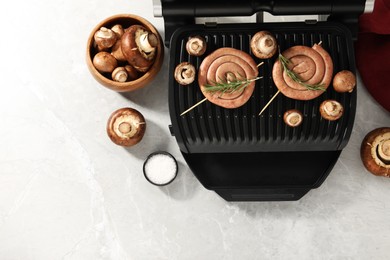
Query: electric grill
[235, 152]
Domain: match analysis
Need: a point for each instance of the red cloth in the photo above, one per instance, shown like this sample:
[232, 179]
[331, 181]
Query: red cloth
[373, 52]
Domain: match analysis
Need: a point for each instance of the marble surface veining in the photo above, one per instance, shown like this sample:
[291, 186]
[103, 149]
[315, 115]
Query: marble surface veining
[67, 192]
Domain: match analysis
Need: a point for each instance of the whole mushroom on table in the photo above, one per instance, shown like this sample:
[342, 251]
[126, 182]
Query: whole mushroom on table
[375, 151]
[126, 126]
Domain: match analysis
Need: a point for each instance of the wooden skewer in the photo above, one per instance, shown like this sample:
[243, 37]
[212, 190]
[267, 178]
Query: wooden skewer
[269, 102]
[197, 104]
[203, 100]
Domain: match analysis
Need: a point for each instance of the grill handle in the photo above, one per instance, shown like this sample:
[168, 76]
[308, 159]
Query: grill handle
[216, 8]
[178, 13]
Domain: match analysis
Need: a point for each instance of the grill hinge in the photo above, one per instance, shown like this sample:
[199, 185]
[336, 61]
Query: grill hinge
[210, 24]
[311, 21]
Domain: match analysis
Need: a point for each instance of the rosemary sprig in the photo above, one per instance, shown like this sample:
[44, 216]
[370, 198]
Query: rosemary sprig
[229, 87]
[284, 61]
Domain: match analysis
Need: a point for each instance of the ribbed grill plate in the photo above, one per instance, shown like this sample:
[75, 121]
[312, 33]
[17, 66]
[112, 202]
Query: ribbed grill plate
[210, 128]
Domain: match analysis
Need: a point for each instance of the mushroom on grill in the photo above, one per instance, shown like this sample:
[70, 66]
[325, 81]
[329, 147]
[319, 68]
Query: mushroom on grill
[263, 45]
[331, 110]
[344, 81]
[293, 117]
[185, 73]
[196, 46]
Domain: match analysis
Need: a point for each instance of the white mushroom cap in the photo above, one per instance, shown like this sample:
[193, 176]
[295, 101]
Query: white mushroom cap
[105, 38]
[375, 151]
[185, 73]
[331, 110]
[196, 46]
[126, 127]
[263, 45]
[293, 117]
[147, 42]
[120, 74]
[381, 147]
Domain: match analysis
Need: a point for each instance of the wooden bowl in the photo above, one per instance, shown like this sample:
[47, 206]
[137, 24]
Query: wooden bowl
[125, 20]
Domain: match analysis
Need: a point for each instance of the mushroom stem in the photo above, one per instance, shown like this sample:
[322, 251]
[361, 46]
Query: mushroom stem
[195, 46]
[263, 45]
[332, 108]
[148, 42]
[187, 73]
[266, 44]
[293, 118]
[230, 77]
[119, 74]
[124, 127]
[384, 151]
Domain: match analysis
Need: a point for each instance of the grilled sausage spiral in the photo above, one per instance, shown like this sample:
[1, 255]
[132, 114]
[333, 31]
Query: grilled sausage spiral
[218, 67]
[312, 65]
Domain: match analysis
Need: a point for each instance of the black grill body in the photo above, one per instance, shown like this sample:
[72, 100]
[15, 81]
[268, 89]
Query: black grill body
[243, 156]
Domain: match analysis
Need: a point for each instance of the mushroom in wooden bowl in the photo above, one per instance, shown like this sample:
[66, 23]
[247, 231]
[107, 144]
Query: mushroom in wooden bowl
[124, 52]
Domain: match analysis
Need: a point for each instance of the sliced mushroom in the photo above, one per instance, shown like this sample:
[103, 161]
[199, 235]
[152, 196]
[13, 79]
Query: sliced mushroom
[126, 127]
[293, 117]
[139, 46]
[196, 46]
[185, 73]
[104, 62]
[331, 110]
[105, 38]
[344, 81]
[263, 45]
[375, 151]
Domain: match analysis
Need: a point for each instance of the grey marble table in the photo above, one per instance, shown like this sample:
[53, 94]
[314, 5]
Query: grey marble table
[67, 192]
